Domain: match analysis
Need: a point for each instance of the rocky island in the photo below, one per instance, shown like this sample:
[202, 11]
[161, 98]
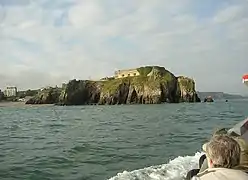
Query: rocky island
[144, 85]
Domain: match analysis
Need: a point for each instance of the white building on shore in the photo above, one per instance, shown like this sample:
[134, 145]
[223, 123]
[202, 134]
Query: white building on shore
[11, 91]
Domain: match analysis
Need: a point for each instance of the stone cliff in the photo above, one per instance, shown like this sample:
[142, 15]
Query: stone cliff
[154, 85]
[187, 90]
[160, 86]
[80, 92]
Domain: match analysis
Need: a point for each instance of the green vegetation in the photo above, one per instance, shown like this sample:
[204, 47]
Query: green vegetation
[20, 94]
[29, 92]
[139, 81]
[46, 96]
[154, 84]
[167, 77]
[153, 81]
[187, 83]
[112, 85]
[144, 71]
[161, 69]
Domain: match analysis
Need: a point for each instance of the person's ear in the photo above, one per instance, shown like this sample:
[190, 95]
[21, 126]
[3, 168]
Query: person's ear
[210, 163]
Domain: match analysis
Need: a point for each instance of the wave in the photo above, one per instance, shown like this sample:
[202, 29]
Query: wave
[176, 169]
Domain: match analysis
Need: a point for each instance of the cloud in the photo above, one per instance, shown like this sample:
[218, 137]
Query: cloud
[85, 14]
[230, 13]
[49, 42]
[14, 2]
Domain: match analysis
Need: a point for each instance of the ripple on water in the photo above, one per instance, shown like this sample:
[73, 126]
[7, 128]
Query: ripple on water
[81, 148]
[97, 142]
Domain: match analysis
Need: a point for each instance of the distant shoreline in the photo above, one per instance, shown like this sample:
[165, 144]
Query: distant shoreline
[20, 104]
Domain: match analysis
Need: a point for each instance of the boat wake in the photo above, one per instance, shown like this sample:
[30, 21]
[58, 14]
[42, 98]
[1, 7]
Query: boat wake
[176, 169]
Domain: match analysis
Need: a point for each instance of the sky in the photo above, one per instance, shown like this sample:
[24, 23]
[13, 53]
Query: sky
[47, 43]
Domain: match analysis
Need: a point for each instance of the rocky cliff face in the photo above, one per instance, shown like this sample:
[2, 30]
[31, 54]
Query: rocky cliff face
[187, 90]
[80, 93]
[155, 85]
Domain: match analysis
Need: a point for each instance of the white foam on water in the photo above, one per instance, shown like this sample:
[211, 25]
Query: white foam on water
[176, 169]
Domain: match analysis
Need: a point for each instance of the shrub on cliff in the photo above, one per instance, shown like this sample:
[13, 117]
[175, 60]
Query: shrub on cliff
[46, 96]
[187, 89]
[144, 71]
[155, 85]
[160, 86]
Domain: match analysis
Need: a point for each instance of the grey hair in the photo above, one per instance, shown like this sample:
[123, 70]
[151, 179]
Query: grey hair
[224, 151]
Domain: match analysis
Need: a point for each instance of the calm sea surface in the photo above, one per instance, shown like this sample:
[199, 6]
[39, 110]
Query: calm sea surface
[97, 142]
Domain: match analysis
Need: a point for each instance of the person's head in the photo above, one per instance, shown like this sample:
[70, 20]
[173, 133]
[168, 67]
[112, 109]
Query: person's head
[221, 131]
[222, 151]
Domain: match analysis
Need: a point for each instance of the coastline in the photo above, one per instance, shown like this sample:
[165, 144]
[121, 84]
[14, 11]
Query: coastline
[20, 104]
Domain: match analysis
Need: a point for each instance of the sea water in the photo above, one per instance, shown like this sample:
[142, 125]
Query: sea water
[131, 142]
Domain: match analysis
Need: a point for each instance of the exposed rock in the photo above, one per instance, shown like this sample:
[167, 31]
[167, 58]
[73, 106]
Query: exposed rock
[80, 93]
[208, 99]
[46, 96]
[187, 90]
[154, 85]
[157, 86]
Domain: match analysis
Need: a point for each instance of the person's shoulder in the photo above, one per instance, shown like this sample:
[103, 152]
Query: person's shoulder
[243, 144]
[231, 173]
[204, 173]
[215, 173]
[207, 171]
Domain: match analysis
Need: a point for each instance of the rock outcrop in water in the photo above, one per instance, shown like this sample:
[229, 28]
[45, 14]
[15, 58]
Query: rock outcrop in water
[208, 99]
[154, 85]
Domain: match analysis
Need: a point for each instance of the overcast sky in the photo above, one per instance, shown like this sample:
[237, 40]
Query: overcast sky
[48, 42]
